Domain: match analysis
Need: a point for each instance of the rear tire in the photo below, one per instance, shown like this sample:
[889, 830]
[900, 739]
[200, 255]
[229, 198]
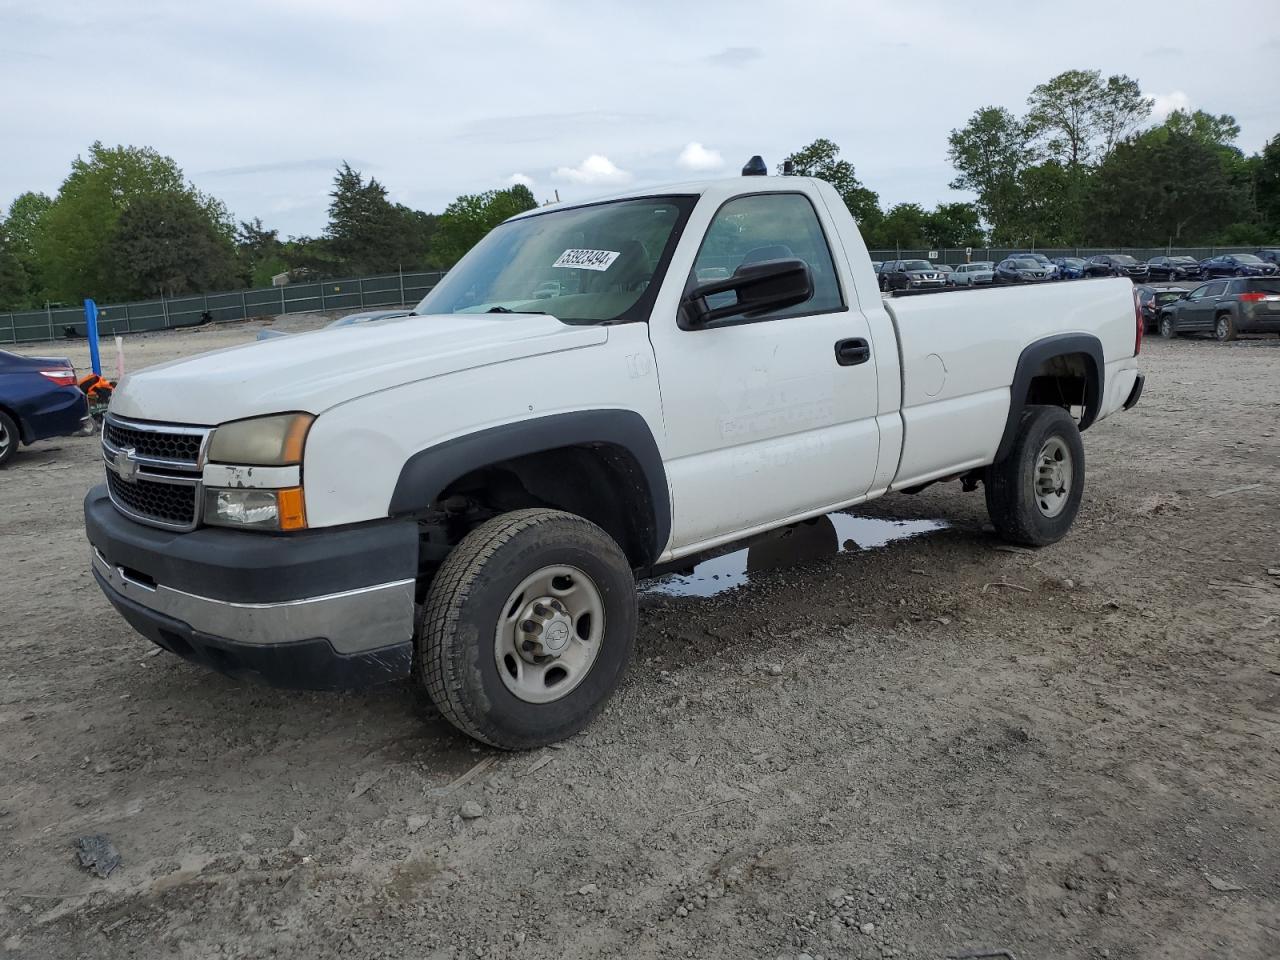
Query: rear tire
[1033, 495]
[1225, 328]
[528, 628]
[9, 439]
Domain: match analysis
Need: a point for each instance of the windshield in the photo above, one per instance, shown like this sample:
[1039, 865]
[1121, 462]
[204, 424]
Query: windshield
[582, 265]
[917, 265]
[1024, 264]
[1124, 259]
[1167, 296]
[1247, 258]
[1183, 260]
[982, 265]
[1072, 262]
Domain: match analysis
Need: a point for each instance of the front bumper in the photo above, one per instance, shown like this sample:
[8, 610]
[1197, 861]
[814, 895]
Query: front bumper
[324, 609]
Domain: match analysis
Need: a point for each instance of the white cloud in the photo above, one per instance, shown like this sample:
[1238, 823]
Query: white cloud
[695, 156]
[596, 169]
[521, 179]
[1165, 103]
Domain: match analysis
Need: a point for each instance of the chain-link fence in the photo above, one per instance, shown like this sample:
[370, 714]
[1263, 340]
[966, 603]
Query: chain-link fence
[958, 255]
[53, 323]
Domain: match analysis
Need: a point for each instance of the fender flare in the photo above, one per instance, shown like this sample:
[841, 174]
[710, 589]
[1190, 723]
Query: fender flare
[1030, 360]
[427, 473]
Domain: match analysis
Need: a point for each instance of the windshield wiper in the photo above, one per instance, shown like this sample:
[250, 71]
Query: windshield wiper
[509, 310]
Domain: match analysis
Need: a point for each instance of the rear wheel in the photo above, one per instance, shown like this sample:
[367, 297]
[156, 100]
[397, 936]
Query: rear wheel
[528, 628]
[1225, 328]
[1033, 495]
[9, 438]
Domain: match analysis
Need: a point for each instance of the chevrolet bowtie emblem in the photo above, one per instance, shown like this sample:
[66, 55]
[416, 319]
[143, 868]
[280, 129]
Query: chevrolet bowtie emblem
[125, 464]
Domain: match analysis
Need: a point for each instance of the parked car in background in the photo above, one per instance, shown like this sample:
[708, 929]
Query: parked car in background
[39, 399]
[911, 275]
[1236, 265]
[351, 319]
[1118, 265]
[948, 273]
[1069, 268]
[1225, 307]
[978, 273]
[1051, 269]
[1271, 255]
[1020, 270]
[1152, 299]
[1173, 268]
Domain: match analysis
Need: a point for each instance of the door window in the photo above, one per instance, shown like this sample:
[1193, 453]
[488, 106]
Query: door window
[770, 226]
[1216, 289]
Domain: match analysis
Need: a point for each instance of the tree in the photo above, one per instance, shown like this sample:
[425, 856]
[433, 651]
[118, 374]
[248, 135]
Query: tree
[1219, 131]
[1077, 119]
[1267, 188]
[990, 152]
[468, 218]
[73, 243]
[1165, 187]
[954, 225]
[367, 233]
[259, 253]
[166, 244]
[821, 159]
[15, 284]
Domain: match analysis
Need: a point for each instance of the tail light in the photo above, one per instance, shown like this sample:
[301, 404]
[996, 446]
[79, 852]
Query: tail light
[63, 378]
[1251, 297]
[1140, 322]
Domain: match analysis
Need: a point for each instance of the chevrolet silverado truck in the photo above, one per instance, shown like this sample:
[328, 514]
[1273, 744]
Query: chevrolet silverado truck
[596, 392]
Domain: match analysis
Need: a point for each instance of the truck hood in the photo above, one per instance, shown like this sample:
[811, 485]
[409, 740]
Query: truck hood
[315, 371]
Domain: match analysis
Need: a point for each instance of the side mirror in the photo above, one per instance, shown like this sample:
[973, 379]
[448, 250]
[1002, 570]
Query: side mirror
[1185, 294]
[758, 287]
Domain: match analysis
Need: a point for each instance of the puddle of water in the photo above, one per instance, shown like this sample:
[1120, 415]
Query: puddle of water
[804, 542]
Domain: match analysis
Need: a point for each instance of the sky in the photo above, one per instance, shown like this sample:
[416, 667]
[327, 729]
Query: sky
[258, 102]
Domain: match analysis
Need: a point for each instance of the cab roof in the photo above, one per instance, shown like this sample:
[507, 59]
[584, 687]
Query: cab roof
[725, 186]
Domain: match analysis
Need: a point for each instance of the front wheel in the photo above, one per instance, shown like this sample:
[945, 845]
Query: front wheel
[1034, 493]
[1225, 328]
[1167, 328]
[528, 628]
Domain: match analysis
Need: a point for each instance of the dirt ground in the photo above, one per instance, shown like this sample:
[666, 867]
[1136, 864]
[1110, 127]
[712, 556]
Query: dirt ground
[936, 748]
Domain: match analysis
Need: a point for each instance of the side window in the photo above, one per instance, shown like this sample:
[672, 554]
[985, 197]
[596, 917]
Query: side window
[1216, 289]
[771, 226]
[1199, 292]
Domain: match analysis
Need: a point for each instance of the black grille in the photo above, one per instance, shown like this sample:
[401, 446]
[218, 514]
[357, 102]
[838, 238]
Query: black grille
[171, 503]
[169, 446]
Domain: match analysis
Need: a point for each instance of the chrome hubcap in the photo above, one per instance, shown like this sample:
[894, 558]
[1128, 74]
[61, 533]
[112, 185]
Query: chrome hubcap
[550, 634]
[1222, 329]
[1053, 475]
[4, 438]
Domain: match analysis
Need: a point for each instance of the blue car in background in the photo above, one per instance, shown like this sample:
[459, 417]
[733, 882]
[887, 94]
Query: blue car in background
[1236, 265]
[39, 399]
[1069, 268]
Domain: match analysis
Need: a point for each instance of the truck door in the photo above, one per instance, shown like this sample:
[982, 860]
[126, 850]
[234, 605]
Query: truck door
[770, 417]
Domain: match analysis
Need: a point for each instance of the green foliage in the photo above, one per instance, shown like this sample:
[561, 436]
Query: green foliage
[367, 233]
[1219, 131]
[1266, 178]
[14, 281]
[1077, 119]
[166, 244]
[465, 221]
[1165, 187]
[990, 154]
[821, 159]
[74, 239]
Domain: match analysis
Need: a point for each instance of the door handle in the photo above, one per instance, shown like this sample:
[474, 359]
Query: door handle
[853, 351]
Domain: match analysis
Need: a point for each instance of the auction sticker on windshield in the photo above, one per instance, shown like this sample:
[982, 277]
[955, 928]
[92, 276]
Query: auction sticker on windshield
[587, 259]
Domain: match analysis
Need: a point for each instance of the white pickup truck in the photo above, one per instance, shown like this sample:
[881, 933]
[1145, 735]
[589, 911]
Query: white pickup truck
[594, 393]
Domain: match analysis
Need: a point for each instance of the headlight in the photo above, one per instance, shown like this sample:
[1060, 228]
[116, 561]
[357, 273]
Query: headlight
[252, 508]
[274, 441]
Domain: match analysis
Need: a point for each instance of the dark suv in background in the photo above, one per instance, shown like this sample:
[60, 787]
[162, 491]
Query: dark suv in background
[911, 275]
[1020, 270]
[1173, 268]
[1116, 265]
[1225, 307]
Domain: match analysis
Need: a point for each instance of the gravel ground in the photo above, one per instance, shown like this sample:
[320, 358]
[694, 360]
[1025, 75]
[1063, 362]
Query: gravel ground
[936, 747]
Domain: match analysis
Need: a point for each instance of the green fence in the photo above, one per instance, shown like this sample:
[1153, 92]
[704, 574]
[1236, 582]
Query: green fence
[956, 255]
[355, 293]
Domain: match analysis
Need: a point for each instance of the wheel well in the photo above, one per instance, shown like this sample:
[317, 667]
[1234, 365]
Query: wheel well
[601, 482]
[1062, 381]
[13, 415]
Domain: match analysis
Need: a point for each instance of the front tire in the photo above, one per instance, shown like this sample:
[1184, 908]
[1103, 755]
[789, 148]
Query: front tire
[1033, 495]
[1167, 328]
[1225, 329]
[9, 439]
[528, 628]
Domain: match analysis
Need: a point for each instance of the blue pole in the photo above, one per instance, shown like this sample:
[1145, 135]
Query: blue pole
[91, 331]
